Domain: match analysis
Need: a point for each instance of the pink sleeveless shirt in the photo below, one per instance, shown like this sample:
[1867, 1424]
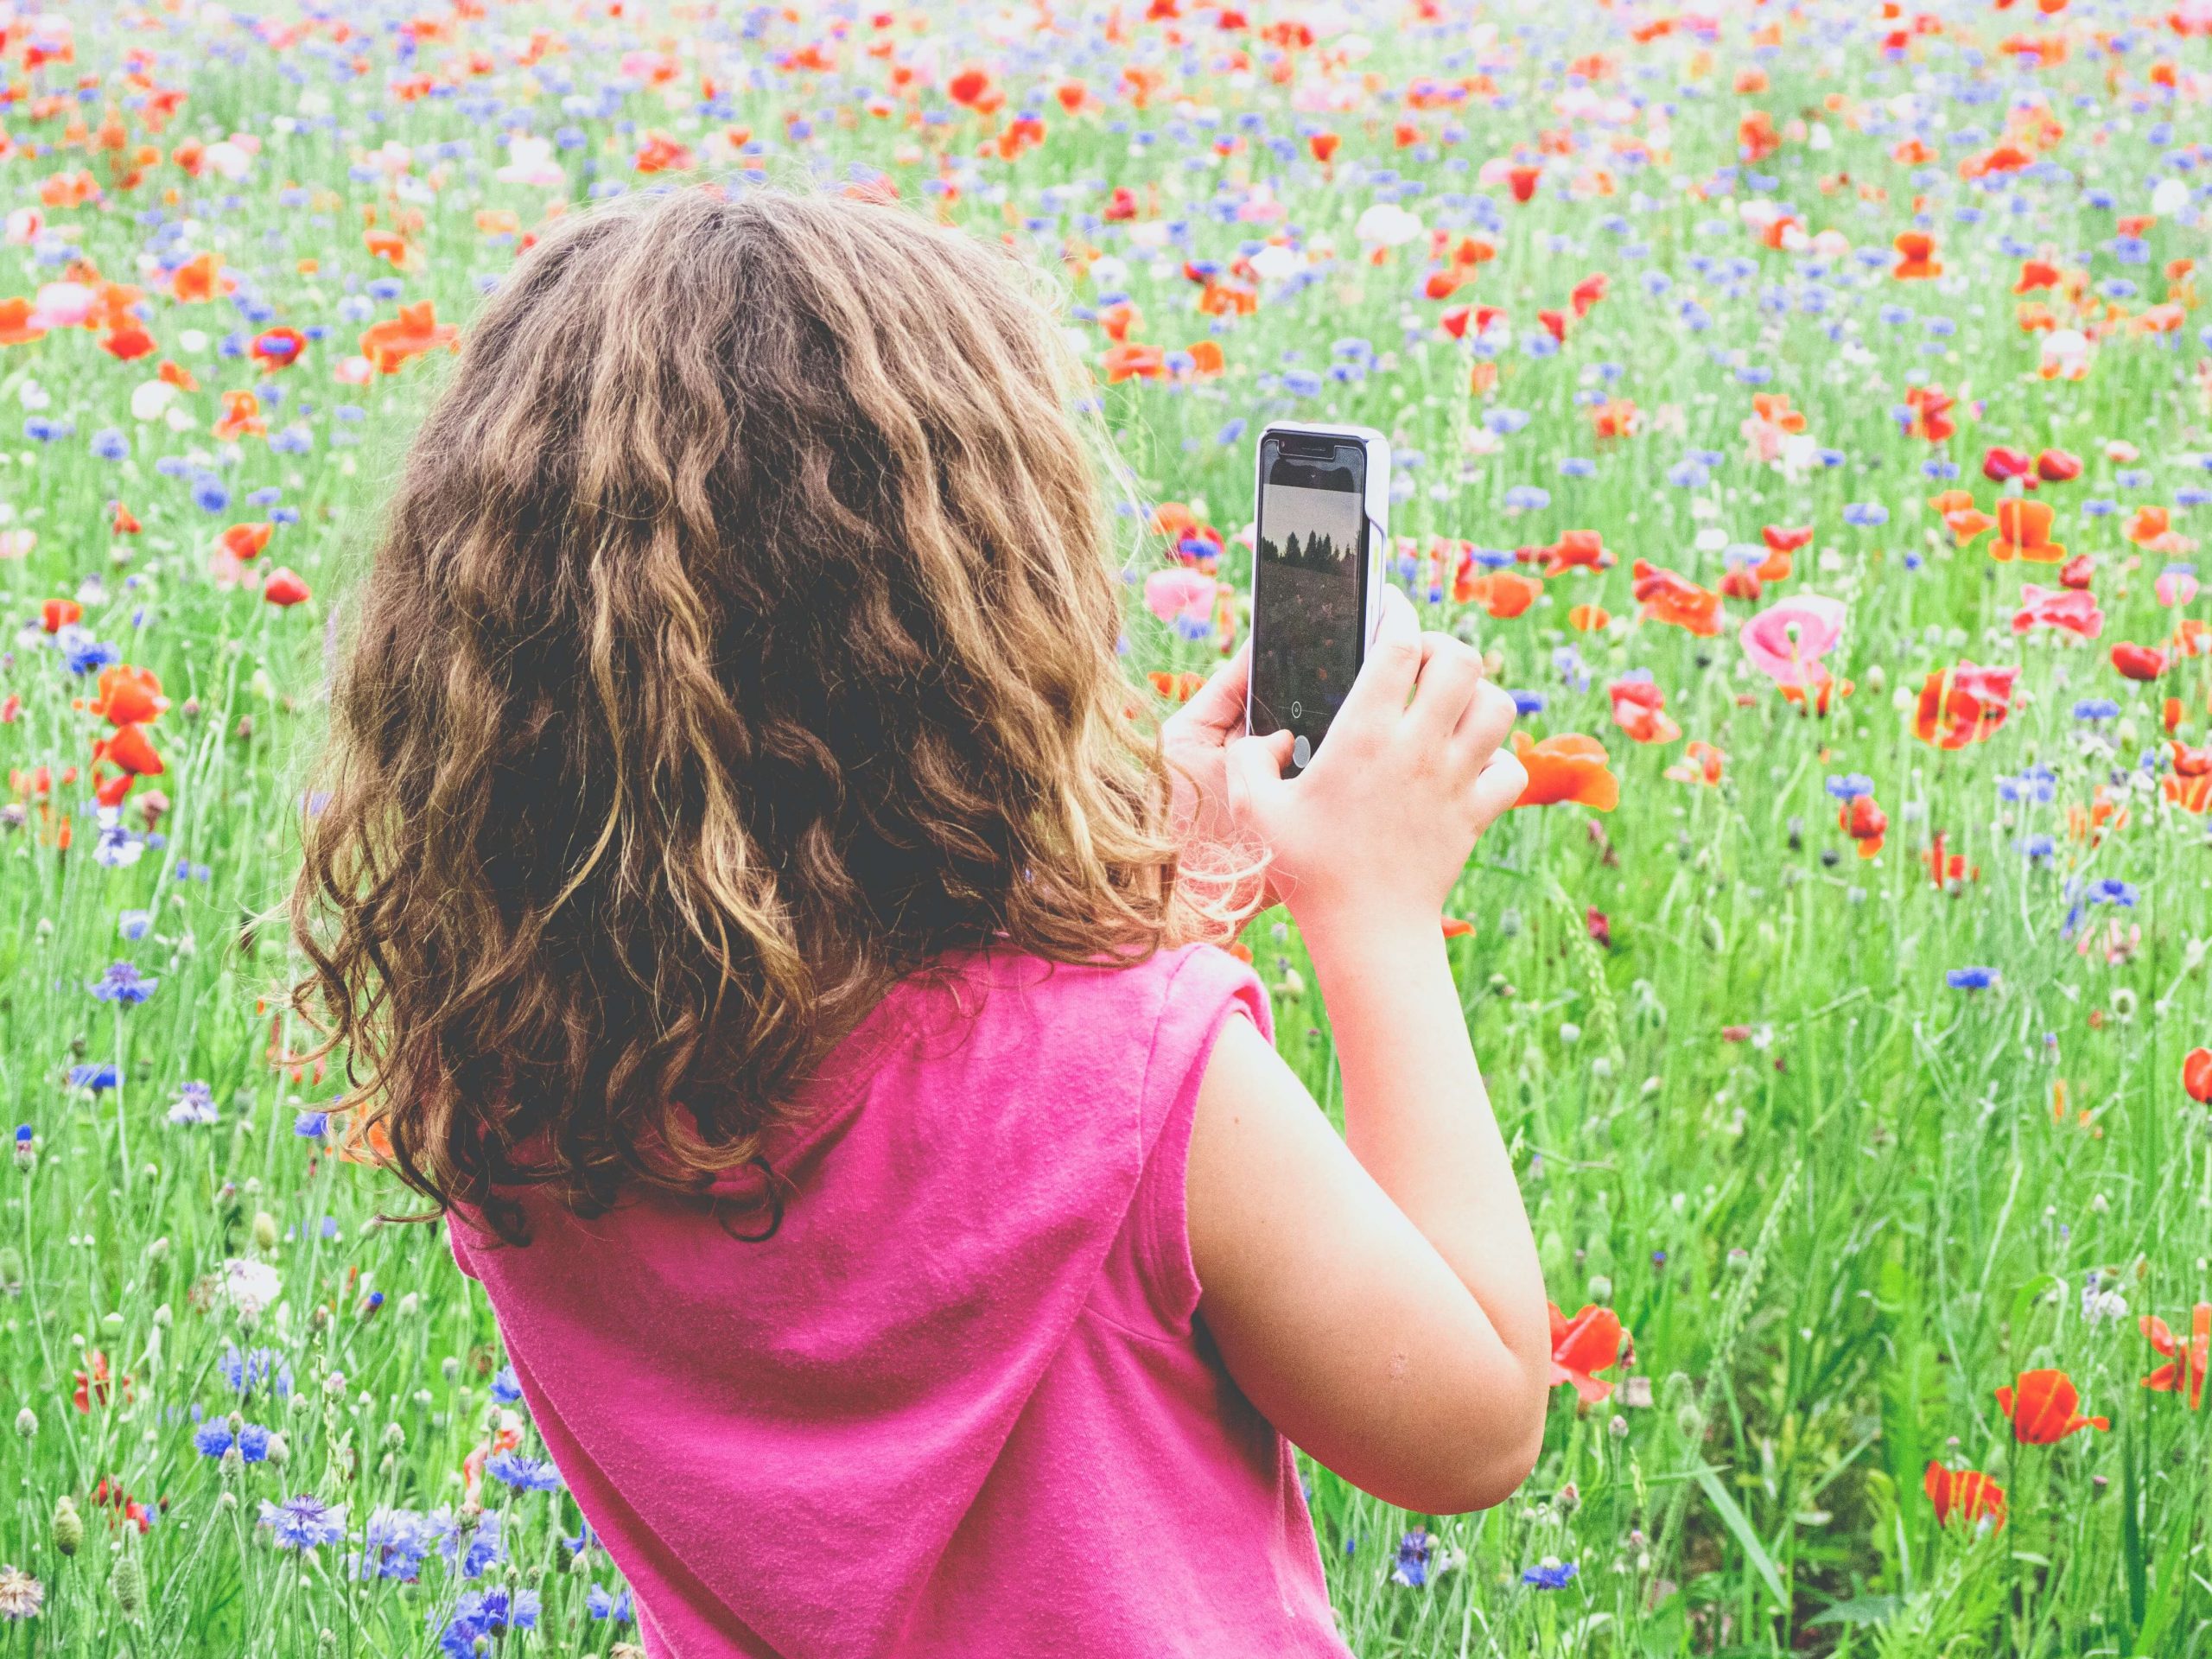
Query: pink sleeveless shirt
[957, 1404]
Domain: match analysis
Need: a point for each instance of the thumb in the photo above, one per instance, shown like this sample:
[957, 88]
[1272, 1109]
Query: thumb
[1254, 771]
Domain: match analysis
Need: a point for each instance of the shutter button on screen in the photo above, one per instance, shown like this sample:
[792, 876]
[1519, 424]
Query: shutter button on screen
[1302, 751]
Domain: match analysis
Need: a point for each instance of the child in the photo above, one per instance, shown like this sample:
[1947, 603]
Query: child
[756, 921]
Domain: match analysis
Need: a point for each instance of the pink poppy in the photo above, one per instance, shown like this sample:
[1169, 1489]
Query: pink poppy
[1179, 592]
[2176, 585]
[1785, 642]
[2074, 609]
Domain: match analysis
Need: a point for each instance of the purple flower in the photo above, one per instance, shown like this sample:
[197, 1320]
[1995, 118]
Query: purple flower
[123, 982]
[1413, 1550]
[1971, 979]
[523, 1474]
[1550, 1574]
[304, 1521]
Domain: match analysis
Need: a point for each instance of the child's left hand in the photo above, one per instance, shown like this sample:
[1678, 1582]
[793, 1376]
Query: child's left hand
[1195, 740]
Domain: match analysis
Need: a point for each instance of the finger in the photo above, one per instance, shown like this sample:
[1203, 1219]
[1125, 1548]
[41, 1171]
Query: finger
[1386, 678]
[1497, 787]
[1487, 722]
[1218, 705]
[1450, 675]
[1254, 772]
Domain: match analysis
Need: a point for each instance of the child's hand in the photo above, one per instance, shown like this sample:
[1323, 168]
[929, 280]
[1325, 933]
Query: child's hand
[1378, 828]
[1195, 740]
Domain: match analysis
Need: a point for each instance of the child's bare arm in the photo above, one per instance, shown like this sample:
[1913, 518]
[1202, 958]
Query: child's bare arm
[1377, 1297]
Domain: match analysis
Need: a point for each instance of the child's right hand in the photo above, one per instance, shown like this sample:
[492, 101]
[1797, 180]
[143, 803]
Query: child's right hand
[1377, 829]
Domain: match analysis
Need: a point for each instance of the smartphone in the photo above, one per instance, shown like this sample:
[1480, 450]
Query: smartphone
[1321, 524]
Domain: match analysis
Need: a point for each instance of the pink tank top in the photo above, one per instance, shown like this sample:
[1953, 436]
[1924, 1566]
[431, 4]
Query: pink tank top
[957, 1404]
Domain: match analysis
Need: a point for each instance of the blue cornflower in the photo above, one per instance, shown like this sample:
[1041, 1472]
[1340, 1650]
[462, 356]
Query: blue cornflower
[123, 982]
[1550, 1574]
[2036, 784]
[1866, 514]
[485, 1550]
[109, 444]
[1971, 979]
[94, 1077]
[504, 1388]
[311, 1126]
[213, 1438]
[394, 1545]
[1413, 1550]
[2037, 847]
[1529, 702]
[610, 1604]
[585, 1539]
[2108, 891]
[480, 1616]
[194, 1103]
[81, 654]
[304, 1521]
[1528, 498]
[523, 1474]
[210, 494]
[1301, 383]
[2093, 708]
[246, 1371]
[1851, 786]
[135, 925]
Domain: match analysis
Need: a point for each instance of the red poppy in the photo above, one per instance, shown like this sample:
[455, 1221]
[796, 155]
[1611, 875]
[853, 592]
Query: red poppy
[2196, 1076]
[284, 588]
[1966, 1493]
[1501, 593]
[1864, 821]
[2056, 467]
[2041, 1408]
[58, 614]
[278, 348]
[1591, 1341]
[131, 749]
[2139, 662]
[2078, 572]
[1522, 180]
[2001, 463]
[1577, 549]
[125, 522]
[1963, 705]
[128, 343]
[241, 417]
[1324, 146]
[2185, 1363]
[1638, 706]
[128, 697]
[1931, 413]
[1667, 596]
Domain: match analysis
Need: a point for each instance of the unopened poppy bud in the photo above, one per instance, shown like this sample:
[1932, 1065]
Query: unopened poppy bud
[264, 1231]
[127, 1584]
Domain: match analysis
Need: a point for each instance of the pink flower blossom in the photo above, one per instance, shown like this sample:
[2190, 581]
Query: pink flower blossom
[1785, 642]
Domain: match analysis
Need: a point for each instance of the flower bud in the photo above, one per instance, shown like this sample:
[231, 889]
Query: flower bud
[27, 1423]
[127, 1584]
[264, 1231]
[68, 1527]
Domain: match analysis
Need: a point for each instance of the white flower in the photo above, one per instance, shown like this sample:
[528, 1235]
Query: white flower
[248, 1287]
[2170, 197]
[1386, 225]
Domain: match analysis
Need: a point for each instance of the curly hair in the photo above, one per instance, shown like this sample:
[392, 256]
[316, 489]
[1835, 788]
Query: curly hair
[741, 639]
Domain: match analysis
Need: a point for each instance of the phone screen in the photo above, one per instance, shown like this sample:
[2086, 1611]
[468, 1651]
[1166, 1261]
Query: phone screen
[1309, 584]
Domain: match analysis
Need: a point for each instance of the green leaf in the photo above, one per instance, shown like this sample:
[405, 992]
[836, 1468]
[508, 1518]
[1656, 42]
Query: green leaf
[1860, 1610]
[1739, 1525]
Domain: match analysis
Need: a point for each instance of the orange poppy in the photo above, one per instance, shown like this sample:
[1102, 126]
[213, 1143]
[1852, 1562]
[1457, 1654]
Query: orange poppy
[131, 749]
[15, 326]
[1931, 413]
[243, 542]
[1916, 257]
[2196, 1076]
[2041, 1408]
[1569, 767]
[200, 279]
[1588, 619]
[1705, 764]
[1638, 710]
[2024, 529]
[414, 331]
[1963, 705]
[127, 345]
[1134, 362]
[1502, 595]
[1176, 687]
[241, 417]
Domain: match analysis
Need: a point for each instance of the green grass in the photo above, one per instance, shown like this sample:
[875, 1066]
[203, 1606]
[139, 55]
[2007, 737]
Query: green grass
[1831, 1241]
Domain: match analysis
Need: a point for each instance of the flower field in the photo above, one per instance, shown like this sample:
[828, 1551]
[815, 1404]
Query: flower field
[1809, 412]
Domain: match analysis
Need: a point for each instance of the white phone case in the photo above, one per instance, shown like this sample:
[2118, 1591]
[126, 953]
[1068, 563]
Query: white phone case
[1377, 507]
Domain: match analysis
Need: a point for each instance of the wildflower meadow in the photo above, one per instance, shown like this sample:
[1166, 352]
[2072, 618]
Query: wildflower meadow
[1806, 407]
